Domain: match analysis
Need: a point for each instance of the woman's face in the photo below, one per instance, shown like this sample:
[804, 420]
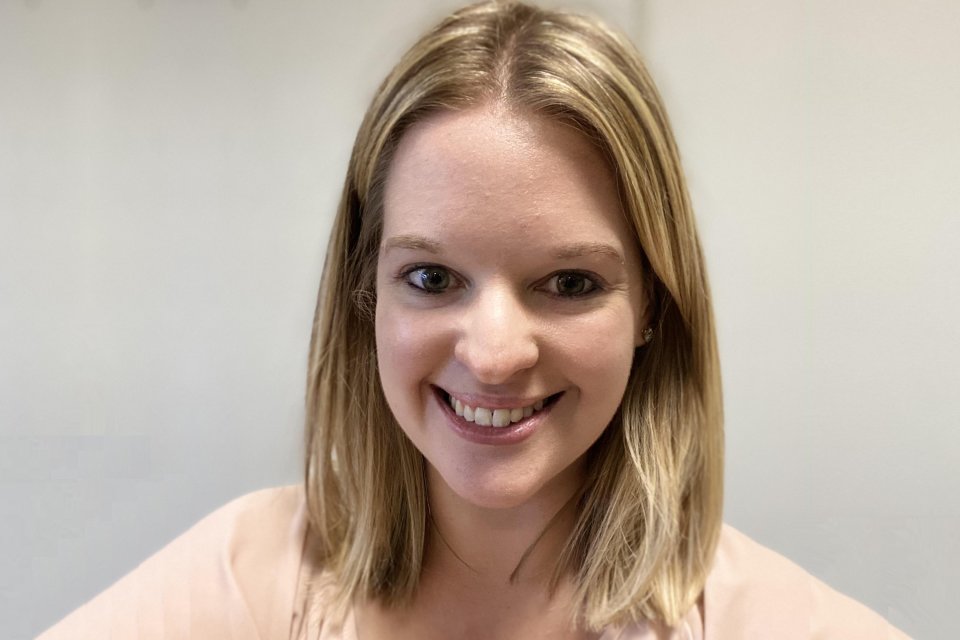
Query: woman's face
[509, 301]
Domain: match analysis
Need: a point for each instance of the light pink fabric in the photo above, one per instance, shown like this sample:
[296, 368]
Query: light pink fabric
[241, 574]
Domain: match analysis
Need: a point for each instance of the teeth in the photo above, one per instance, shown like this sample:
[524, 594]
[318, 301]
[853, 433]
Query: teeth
[501, 417]
[494, 417]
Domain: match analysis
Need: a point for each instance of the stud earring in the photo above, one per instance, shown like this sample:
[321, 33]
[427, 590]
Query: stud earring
[647, 335]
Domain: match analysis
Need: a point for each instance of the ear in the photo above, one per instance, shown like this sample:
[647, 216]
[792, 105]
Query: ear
[643, 331]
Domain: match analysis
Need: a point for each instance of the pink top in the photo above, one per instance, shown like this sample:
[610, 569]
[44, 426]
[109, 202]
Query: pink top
[241, 574]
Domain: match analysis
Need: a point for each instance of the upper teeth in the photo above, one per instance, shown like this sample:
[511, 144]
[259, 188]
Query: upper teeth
[493, 417]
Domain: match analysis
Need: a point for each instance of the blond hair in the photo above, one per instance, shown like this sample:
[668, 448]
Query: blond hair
[650, 513]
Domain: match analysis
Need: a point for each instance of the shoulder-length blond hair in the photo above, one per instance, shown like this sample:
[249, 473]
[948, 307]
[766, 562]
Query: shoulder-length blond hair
[650, 514]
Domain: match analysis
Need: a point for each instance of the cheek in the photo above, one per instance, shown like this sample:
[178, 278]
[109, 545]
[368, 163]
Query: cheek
[394, 352]
[396, 341]
[409, 347]
[395, 333]
[599, 360]
[603, 345]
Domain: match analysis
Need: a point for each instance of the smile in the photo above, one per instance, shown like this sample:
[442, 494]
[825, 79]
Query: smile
[497, 417]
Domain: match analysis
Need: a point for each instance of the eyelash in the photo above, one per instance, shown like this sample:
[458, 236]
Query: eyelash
[595, 282]
[406, 273]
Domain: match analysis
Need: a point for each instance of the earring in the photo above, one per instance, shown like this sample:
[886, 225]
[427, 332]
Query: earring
[647, 335]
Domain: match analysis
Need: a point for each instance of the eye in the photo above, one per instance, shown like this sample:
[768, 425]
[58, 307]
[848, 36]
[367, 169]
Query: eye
[429, 279]
[571, 284]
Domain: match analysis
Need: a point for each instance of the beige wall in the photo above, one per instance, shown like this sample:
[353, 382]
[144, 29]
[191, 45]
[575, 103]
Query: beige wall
[822, 141]
[167, 173]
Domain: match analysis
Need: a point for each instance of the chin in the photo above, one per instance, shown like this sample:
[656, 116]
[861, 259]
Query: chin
[492, 493]
[495, 499]
[505, 487]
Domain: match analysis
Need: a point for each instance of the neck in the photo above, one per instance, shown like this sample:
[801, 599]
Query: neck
[487, 572]
[494, 547]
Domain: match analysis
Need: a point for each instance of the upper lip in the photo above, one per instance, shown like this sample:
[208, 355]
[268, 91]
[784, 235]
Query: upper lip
[495, 401]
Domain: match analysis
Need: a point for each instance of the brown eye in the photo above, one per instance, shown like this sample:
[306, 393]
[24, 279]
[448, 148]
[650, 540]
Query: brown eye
[429, 279]
[572, 284]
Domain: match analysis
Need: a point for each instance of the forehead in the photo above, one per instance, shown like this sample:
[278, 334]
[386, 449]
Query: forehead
[490, 169]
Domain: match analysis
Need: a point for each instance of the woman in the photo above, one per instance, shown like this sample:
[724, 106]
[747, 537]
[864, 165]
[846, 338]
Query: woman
[514, 409]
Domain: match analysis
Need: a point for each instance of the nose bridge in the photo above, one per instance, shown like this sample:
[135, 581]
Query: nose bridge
[498, 337]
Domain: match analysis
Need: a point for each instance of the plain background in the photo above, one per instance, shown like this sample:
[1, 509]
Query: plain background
[168, 171]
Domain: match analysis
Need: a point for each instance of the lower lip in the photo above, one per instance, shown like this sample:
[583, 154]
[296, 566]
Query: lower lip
[478, 434]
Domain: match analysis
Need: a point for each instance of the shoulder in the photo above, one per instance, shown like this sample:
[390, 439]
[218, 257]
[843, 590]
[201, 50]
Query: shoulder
[233, 574]
[262, 522]
[754, 592]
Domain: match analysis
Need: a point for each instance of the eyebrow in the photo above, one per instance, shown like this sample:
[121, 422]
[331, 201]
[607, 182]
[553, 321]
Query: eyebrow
[580, 249]
[574, 250]
[415, 243]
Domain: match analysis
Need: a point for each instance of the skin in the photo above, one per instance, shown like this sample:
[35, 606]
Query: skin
[535, 289]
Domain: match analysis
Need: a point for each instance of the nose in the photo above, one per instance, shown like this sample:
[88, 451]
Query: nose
[497, 337]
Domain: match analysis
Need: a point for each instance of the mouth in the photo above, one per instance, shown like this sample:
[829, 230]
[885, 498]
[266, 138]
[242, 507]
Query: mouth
[499, 417]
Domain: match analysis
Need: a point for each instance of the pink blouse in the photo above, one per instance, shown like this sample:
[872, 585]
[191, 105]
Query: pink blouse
[241, 573]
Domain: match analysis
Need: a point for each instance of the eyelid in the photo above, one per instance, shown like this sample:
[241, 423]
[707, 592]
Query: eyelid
[598, 284]
[403, 275]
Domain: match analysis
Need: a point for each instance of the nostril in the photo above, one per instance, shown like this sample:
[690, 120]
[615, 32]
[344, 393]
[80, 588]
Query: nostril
[495, 363]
